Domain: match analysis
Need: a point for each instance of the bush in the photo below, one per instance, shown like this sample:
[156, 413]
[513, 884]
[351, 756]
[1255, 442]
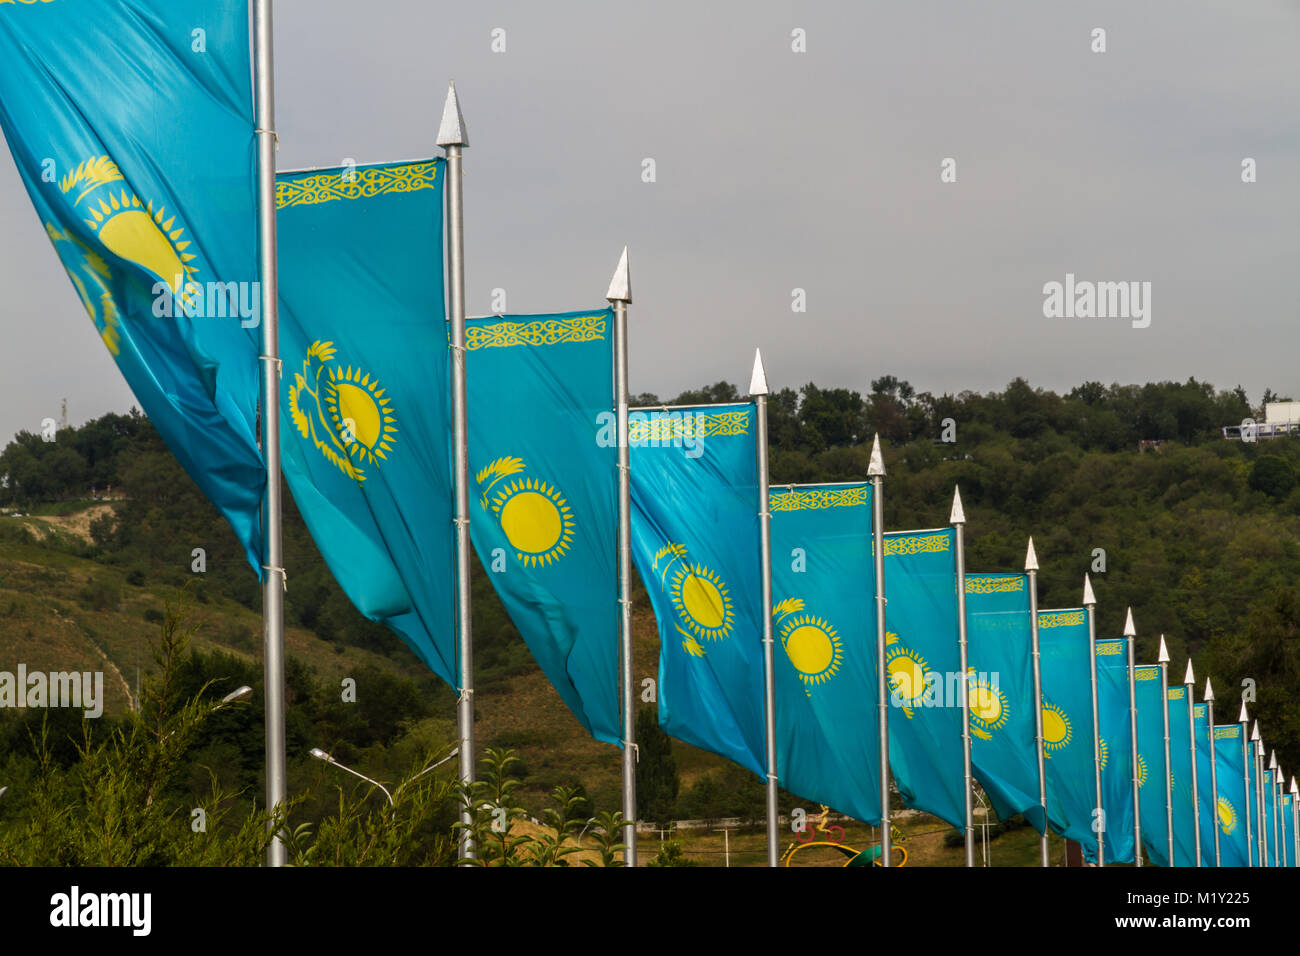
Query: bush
[100, 594]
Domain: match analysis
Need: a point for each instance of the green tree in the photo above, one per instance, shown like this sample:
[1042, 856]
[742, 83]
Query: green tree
[657, 782]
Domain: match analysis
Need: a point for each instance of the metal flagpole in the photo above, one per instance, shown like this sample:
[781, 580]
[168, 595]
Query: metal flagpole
[273, 579]
[876, 472]
[758, 390]
[1245, 780]
[1260, 837]
[620, 296]
[453, 138]
[1099, 812]
[1277, 841]
[1130, 638]
[1281, 816]
[1031, 566]
[1214, 767]
[1163, 660]
[1189, 681]
[1295, 823]
[958, 520]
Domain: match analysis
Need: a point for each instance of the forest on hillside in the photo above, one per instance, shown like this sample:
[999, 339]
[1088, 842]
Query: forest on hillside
[1133, 484]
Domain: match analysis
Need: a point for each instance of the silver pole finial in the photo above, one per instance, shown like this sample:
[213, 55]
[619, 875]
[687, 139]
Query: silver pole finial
[451, 131]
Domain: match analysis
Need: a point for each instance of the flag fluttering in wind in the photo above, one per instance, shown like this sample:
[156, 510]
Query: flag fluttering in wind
[1204, 785]
[543, 466]
[1004, 748]
[695, 540]
[824, 620]
[1116, 731]
[1180, 770]
[923, 664]
[1152, 771]
[365, 391]
[1067, 724]
[136, 149]
[1232, 800]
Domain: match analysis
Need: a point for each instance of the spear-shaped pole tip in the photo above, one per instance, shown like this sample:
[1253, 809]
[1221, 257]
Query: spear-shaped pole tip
[1129, 629]
[1254, 734]
[1209, 691]
[1189, 677]
[958, 516]
[620, 286]
[758, 379]
[1163, 657]
[1293, 786]
[876, 466]
[1272, 760]
[1089, 599]
[1243, 717]
[451, 131]
[1031, 556]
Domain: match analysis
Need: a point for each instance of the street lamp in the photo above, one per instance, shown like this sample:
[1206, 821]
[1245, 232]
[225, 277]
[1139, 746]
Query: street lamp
[322, 755]
[238, 694]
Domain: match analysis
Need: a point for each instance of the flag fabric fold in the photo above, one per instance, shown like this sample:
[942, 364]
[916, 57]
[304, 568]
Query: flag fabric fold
[824, 621]
[365, 394]
[138, 154]
[543, 461]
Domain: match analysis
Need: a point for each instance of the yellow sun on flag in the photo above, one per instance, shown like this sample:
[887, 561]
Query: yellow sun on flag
[1104, 749]
[1057, 732]
[360, 413]
[812, 643]
[700, 597]
[130, 229]
[533, 513]
[906, 671]
[988, 706]
[1142, 772]
[1227, 816]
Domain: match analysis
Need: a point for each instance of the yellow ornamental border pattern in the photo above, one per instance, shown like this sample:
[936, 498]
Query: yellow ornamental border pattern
[1227, 733]
[1109, 648]
[810, 499]
[918, 544]
[1177, 693]
[1067, 619]
[25, 3]
[979, 585]
[355, 184]
[584, 328]
[664, 428]
[1146, 673]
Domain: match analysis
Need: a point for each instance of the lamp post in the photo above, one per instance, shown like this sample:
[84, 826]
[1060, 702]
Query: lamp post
[321, 755]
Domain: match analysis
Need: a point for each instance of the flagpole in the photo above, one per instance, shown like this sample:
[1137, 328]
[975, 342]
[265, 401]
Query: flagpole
[876, 472]
[453, 138]
[1295, 823]
[758, 390]
[1261, 838]
[1099, 814]
[1031, 566]
[1245, 779]
[1277, 840]
[620, 296]
[1189, 682]
[273, 579]
[1130, 635]
[958, 520]
[1169, 772]
[1214, 767]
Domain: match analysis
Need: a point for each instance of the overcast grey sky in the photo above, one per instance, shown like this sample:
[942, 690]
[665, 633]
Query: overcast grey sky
[819, 170]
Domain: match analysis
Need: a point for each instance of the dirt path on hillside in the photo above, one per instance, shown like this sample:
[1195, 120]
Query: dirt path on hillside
[79, 523]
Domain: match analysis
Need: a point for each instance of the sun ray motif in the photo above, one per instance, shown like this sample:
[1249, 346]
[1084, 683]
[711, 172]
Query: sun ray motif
[1142, 772]
[1057, 730]
[1227, 816]
[536, 519]
[988, 706]
[812, 643]
[908, 673]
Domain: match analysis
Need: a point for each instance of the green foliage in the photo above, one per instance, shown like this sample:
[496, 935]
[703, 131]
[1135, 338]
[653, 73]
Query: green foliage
[1272, 475]
[657, 783]
[670, 854]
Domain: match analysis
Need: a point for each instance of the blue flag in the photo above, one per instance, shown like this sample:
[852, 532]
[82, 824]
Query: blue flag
[1152, 772]
[1270, 820]
[1116, 726]
[1067, 725]
[1180, 764]
[824, 618]
[923, 661]
[1204, 783]
[1232, 798]
[695, 539]
[1255, 822]
[137, 152]
[1288, 830]
[365, 393]
[1004, 737]
[543, 458]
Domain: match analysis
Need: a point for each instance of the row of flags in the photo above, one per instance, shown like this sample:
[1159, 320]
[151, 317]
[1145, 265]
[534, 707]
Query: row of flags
[154, 222]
